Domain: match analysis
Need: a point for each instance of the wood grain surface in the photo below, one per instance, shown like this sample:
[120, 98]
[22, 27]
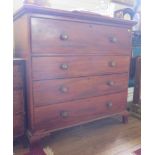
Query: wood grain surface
[57, 91]
[45, 68]
[47, 37]
[70, 113]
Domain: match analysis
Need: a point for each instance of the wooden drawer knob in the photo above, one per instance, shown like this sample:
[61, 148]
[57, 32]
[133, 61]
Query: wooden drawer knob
[109, 104]
[64, 66]
[110, 83]
[112, 64]
[113, 40]
[64, 36]
[64, 89]
[64, 114]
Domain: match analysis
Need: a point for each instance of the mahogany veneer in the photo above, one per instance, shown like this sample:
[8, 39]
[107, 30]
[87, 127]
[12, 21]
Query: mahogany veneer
[77, 67]
[57, 91]
[65, 114]
[100, 37]
[44, 67]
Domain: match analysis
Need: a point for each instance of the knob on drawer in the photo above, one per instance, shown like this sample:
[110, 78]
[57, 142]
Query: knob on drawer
[64, 36]
[109, 104]
[64, 66]
[64, 114]
[113, 39]
[110, 83]
[64, 89]
[112, 64]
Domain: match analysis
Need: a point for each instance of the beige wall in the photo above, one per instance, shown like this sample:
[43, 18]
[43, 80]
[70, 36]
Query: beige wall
[90, 5]
[17, 4]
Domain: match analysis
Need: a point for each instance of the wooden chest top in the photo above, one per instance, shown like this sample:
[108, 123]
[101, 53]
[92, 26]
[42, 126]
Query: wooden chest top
[72, 15]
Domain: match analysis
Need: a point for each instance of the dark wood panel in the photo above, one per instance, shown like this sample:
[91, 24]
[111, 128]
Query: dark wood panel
[55, 36]
[21, 37]
[17, 76]
[61, 115]
[18, 101]
[18, 125]
[55, 91]
[22, 49]
[76, 66]
[137, 87]
[18, 97]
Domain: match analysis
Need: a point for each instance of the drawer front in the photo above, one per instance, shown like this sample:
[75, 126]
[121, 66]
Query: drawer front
[55, 91]
[18, 125]
[66, 37]
[76, 66]
[17, 76]
[18, 101]
[69, 113]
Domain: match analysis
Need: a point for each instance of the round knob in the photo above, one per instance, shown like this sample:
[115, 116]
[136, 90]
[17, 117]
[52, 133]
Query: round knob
[113, 39]
[64, 66]
[64, 36]
[110, 83]
[112, 64]
[64, 89]
[109, 104]
[64, 114]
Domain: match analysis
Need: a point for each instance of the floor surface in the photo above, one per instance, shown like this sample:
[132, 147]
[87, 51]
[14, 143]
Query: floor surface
[104, 137]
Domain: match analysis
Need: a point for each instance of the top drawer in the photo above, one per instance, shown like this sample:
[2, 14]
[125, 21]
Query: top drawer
[67, 37]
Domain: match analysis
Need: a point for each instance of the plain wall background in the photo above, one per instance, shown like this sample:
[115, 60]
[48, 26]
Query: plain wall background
[96, 6]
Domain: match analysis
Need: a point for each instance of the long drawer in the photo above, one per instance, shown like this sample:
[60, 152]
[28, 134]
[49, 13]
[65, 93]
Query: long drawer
[76, 66]
[61, 90]
[66, 37]
[69, 113]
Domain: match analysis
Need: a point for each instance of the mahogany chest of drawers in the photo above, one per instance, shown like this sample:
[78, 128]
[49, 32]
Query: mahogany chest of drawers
[18, 98]
[77, 67]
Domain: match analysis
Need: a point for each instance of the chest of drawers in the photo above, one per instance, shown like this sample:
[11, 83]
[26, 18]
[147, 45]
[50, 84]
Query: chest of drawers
[18, 98]
[77, 67]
